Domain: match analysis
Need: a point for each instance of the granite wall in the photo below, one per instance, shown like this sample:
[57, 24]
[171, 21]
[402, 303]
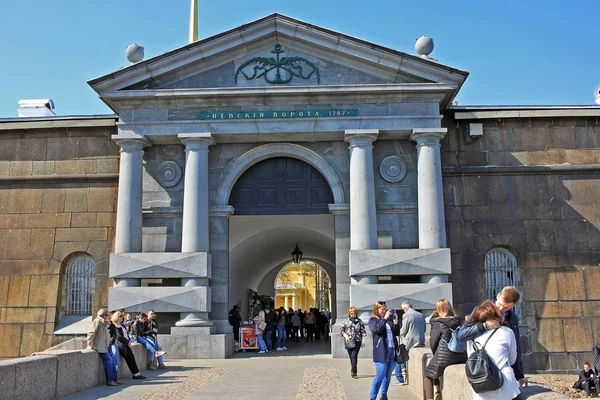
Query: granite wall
[531, 186]
[58, 191]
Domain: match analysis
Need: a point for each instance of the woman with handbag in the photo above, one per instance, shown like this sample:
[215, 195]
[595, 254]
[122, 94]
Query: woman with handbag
[353, 331]
[501, 348]
[120, 337]
[384, 327]
[443, 322]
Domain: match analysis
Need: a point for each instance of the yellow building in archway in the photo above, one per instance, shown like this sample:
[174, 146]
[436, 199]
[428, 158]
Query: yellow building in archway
[303, 285]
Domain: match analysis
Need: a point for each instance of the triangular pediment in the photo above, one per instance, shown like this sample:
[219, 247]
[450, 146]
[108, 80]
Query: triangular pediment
[278, 51]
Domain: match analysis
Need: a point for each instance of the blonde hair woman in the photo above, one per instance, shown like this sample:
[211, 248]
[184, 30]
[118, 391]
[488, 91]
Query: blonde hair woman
[443, 321]
[385, 329]
[353, 329]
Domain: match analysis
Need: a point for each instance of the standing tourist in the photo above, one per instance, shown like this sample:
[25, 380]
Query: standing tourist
[235, 319]
[281, 335]
[295, 326]
[270, 321]
[98, 339]
[384, 327]
[413, 335]
[505, 301]
[353, 329]
[501, 347]
[443, 321]
[309, 323]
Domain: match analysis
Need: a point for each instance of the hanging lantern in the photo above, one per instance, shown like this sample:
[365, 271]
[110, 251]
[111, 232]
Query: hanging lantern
[297, 255]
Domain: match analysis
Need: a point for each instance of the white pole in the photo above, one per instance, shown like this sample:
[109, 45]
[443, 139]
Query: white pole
[193, 36]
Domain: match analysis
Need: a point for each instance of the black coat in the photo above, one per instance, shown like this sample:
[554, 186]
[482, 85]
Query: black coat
[441, 332]
[119, 339]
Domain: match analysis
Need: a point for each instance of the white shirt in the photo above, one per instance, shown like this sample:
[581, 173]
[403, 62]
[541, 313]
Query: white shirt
[502, 349]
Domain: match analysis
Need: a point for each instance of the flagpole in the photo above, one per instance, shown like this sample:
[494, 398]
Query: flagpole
[193, 36]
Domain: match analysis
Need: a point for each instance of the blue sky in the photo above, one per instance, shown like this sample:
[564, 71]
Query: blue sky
[517, 52]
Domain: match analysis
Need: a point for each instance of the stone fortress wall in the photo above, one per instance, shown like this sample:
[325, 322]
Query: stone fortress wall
[58, 189]
[531, 186]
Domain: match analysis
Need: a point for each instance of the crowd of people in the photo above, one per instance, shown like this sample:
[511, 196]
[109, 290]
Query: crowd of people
[112, 332]
[273, 328]
[492, 324]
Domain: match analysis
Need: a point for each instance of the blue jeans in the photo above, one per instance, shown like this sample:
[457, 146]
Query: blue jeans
[383, 374]
[261, 343]
[269, 335]
[114, 352]
[281, 338]
[398, 372]
[109, 367]
[152, 346]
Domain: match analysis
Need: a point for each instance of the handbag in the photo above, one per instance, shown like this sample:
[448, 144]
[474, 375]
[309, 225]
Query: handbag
[402, 354]
[350, 344]
[482, 373]
[455, 345]
[262, 325]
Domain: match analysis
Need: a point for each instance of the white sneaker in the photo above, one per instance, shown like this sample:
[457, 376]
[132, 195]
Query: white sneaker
[284, 348]
[279, 349]
[261, 352]
[160, 353]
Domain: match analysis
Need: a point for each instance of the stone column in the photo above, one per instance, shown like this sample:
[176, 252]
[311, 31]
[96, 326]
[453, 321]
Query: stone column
[363, 214]
[128, 234]
[195, 213]
[432, 222]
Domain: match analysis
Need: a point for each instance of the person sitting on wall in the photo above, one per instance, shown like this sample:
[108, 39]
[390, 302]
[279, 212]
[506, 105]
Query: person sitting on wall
[505, 301]
[140, 332]
[153, 338]
[587, 381]
[120, 338]
[98, 339]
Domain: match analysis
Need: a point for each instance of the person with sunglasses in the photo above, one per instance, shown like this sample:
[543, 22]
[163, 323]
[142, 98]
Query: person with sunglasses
[354, 330]
[120, 338]
[384, 327]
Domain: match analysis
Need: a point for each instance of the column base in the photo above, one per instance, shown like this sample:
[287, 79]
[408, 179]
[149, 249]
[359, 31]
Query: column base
[194, 320]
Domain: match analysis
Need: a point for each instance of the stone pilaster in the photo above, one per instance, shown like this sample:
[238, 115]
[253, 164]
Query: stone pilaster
[432, 222]
[128, 234]
[195, 214]
[363, 214]
[219, 281]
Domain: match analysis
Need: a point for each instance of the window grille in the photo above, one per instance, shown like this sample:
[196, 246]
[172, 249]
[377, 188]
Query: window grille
[500, 271]
[81, 276]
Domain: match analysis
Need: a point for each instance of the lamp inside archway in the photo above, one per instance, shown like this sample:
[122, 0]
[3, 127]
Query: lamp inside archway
[297, 255]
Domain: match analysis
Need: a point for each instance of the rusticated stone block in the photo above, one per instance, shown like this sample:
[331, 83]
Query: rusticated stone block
[98, 250]
[25, 200]
[591, 279]
[106, 219]
[536, 361]
[41, 244]
[108, 166]
[34, 339]
[551, 309]
[21, 168]
[69, 167]
[540, 284]
[81, 234]
[24, 267]
[53, 200]
[63, 249]
[18, 291]
[579, 157]
[17, 244]
[10, 348]
[43, 290]
[561, 137]
[529, 138]
[45, 220]
[562, 361]
[76, 200]
[4, 290]
[43, 167]
[578, 334]
[36, 378]
[8, 221]
[31, 149]
[83, 220]
[571, 285]
[549, 336]
[24, 316]
[102, 198]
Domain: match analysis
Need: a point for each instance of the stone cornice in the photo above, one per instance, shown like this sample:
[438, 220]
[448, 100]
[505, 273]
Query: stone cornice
[196, 141]
[71, 178]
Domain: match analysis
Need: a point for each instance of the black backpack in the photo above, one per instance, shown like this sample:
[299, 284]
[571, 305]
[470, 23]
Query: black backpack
[482, 373]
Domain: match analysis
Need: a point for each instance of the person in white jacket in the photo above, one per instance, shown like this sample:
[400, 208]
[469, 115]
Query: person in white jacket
[501, 348]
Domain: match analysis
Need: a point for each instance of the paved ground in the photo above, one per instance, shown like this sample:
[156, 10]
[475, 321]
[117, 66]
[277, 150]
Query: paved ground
[304, 372]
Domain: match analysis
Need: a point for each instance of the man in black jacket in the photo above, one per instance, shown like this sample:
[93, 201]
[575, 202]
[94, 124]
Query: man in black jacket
[587, 380]
[235, 319]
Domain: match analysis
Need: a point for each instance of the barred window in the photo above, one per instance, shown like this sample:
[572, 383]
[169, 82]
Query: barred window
[80, 276]
[500, 271]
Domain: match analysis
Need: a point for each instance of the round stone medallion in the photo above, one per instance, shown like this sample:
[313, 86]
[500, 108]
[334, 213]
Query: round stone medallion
[168, 173]
[392, 169]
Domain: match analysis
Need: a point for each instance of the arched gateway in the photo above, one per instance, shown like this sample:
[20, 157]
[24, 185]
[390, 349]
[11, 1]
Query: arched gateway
[192, 122]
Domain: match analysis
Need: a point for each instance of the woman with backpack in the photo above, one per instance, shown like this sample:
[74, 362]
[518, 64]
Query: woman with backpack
[443, 322]
[501, 347]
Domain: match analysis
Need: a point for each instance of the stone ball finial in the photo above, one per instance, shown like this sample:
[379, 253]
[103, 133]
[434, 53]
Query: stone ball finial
[134, 53]
[424, 46]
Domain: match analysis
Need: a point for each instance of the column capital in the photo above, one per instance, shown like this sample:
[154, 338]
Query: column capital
[196, 141]
[434, 135]
[131, 141]
[358, 137]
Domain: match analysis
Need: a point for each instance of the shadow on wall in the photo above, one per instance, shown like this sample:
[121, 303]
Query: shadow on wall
[530, 186]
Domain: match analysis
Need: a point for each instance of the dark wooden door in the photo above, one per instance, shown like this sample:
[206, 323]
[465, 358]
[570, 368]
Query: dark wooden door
[281, 186]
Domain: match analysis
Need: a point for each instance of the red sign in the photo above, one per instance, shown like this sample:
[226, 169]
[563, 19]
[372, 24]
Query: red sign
[248, 337]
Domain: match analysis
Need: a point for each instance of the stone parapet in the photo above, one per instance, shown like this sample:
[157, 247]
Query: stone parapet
[197, 342]
[400, 262]
[187, 299]
[160, 265]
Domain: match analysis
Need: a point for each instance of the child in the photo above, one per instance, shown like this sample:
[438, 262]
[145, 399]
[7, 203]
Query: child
[587, 380]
